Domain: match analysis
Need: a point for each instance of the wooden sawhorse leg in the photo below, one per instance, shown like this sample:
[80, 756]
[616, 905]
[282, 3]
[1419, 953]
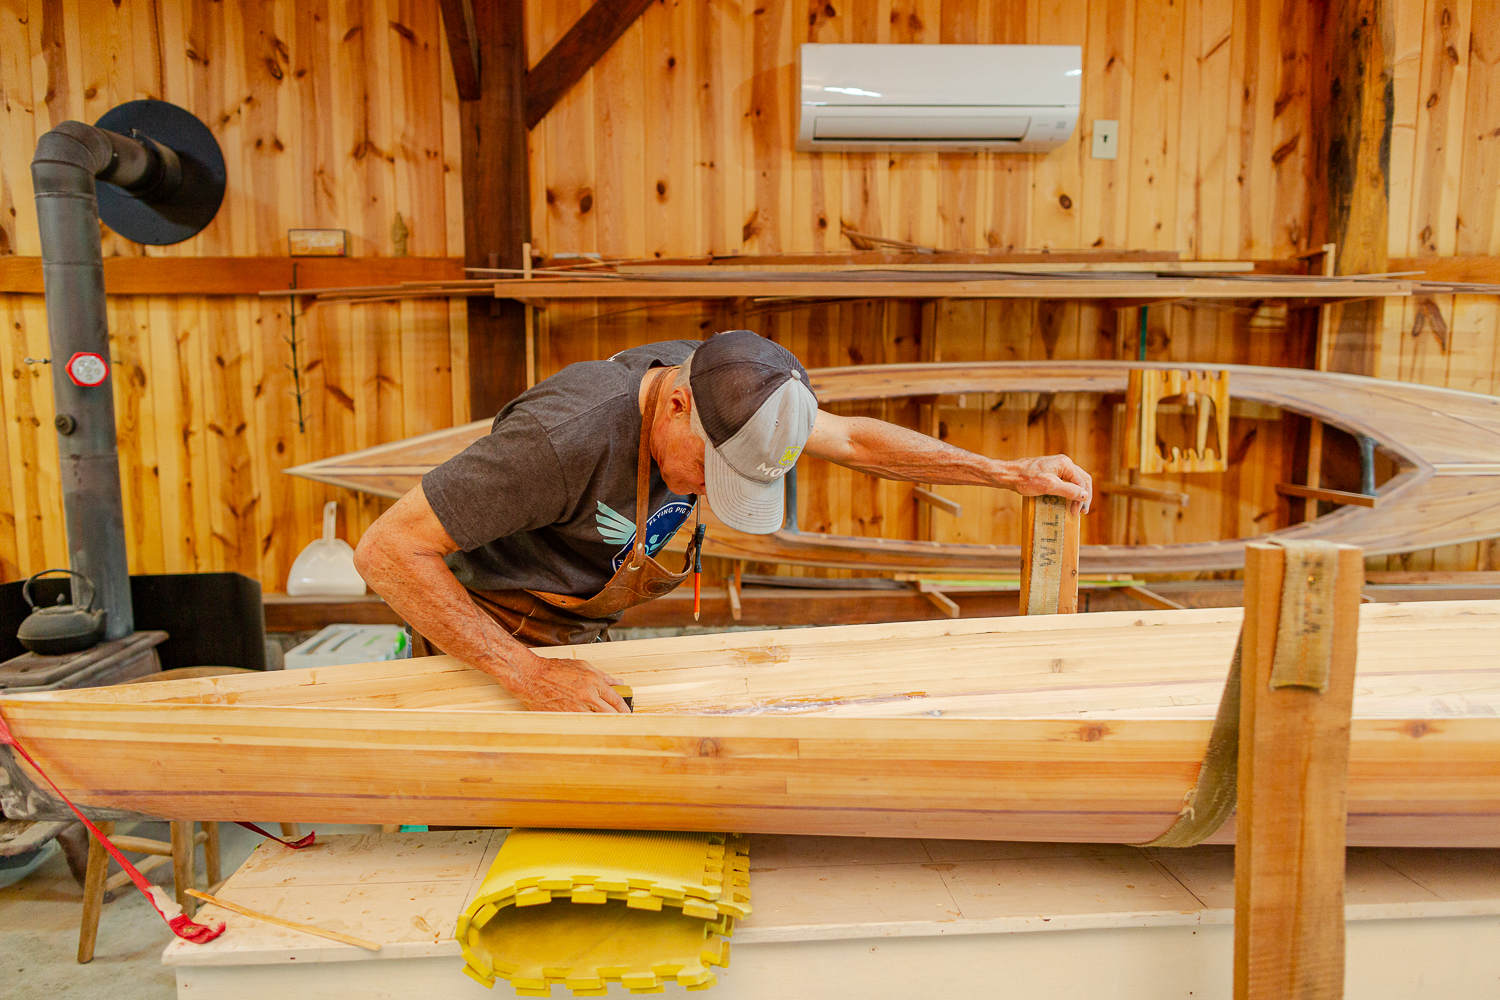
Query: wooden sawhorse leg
[93, 894]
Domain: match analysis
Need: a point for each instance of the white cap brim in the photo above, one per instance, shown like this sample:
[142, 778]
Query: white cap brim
[743, 504]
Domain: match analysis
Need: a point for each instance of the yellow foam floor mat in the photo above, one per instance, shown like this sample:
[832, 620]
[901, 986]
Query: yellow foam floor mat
[581, 908]
[584, 947]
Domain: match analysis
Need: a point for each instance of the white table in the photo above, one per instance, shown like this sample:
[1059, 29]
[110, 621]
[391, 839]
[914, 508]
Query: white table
[861, 918]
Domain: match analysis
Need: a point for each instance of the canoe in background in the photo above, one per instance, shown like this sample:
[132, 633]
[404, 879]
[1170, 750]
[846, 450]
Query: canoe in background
[1446, 440]
[1076, 728]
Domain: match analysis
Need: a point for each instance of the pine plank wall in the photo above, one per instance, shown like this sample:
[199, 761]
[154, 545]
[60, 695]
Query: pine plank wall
[679, 142]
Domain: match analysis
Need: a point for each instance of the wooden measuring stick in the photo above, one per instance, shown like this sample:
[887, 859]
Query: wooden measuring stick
[308, 928]
[1293, 778]
[1049, 557]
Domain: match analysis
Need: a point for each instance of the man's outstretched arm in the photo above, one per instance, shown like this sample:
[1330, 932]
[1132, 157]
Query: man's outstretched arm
[401, 558]
[893, 452]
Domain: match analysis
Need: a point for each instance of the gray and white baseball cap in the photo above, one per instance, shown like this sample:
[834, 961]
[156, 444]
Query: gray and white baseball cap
[754, 409]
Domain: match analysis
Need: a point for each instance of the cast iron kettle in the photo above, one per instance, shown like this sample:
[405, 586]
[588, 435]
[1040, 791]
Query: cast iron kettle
[62, 628]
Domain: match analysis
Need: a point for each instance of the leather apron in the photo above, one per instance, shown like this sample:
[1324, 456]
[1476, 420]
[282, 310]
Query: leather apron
[537, 618]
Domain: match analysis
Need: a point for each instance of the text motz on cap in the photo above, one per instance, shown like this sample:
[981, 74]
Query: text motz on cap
[754, 410]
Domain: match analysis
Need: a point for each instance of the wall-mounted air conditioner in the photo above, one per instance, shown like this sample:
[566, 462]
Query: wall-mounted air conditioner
[1002, 98]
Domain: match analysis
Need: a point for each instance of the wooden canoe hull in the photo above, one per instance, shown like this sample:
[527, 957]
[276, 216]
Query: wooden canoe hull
[1412, 782]
[354, 744]
[1447, 440]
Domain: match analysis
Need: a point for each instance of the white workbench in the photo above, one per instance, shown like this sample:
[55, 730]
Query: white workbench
[863, 918]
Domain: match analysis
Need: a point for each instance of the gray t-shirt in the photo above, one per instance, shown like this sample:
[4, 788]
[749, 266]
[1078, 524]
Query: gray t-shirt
[546, 501]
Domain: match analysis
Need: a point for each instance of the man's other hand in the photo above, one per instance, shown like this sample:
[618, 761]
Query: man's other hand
[558, 685]
[1054, 475]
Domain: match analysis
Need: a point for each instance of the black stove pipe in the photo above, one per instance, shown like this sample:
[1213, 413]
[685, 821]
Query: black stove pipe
[68, 161]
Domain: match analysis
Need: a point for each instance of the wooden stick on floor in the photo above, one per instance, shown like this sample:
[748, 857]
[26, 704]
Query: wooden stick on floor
[1049, 557]
[294, 925]
[1293, 778]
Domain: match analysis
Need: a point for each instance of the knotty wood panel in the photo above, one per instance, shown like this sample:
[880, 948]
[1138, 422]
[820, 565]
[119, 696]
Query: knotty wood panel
[1444, 182]
[681, 142]
[1212, 97]
[330, 114]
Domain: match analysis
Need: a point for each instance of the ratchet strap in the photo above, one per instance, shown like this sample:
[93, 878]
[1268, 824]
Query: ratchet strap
[1303, 658]
[165, 906]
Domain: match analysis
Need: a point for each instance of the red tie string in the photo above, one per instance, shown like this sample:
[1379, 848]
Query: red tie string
[181, 925]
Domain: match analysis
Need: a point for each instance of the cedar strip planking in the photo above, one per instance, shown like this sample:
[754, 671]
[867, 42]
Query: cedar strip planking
[811, 731]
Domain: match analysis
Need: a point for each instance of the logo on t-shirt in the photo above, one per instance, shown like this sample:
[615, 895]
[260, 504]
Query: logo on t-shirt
[617, 529]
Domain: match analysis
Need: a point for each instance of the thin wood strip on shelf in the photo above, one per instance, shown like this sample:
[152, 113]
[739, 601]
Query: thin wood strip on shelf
[928, 287]
[1472, 578]
[1089, 728]
[1016, 267]
[1079, 255]
[238, 275]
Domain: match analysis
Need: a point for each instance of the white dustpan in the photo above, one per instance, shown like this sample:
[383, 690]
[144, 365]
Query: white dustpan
[326, 566]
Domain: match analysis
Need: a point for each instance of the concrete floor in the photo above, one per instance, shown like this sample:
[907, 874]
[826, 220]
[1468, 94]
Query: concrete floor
[39, 928]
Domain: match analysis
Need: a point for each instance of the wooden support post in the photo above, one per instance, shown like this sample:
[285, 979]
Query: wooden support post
[1049, 557]
[182, 864]
[1353, 82]
[1293, 776]
[93, 894]
[497, 202]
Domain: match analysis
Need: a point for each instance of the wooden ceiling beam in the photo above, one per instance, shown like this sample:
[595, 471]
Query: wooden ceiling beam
[463, 46]
[576, 52]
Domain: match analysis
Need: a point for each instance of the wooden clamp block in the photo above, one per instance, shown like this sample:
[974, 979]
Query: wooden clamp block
[1293, 777]
[1049, 556]
[1148, 387]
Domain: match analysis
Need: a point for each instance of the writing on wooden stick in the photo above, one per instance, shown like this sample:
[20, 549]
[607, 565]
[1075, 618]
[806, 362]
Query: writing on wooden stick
[1049, 556]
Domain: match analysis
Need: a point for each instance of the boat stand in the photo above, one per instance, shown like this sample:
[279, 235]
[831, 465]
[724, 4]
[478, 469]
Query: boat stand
[865, 917]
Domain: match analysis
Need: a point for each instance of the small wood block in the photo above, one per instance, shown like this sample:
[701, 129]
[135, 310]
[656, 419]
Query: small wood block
[317, 242]
[1049, 556]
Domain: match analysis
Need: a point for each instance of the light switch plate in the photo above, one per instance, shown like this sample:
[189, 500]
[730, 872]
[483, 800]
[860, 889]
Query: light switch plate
[1106, 138]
